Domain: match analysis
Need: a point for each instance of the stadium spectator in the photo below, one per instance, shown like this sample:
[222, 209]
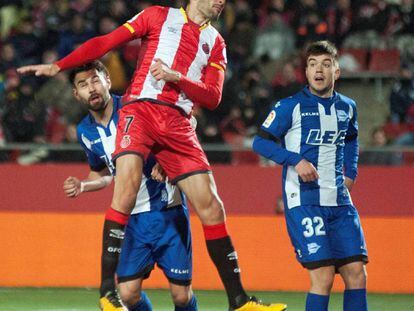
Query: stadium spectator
[309, 23]
[379, 157]
[339, 19]
[75, 35]
[287, 81]
[402, 96]
[276, 39]
[317, 128]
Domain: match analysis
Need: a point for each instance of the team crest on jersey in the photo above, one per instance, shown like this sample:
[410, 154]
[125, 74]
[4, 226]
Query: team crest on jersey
[342, 115]
[206, 48]
[269, 120]
[126, 141]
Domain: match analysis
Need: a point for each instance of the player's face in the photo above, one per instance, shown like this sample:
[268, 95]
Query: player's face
[321, 72]
[92, 89]
[211, 9]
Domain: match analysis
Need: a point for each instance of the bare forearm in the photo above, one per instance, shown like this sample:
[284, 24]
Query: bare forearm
[89, 185]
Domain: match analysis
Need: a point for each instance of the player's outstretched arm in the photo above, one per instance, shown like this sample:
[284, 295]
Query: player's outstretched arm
[48, 70]
[91, 50]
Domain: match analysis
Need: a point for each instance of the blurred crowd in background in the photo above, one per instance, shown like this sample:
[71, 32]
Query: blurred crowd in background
[265, 42]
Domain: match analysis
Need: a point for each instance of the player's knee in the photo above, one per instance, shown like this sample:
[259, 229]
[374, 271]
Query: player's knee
[323, 283]
[356, 279]
[181, 298]
[129, 296]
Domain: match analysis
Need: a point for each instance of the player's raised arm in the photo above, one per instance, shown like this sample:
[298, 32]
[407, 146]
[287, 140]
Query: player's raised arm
[90, 50]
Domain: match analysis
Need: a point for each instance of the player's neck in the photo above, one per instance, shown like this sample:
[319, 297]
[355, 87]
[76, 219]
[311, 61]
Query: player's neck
[323, 94]
[104, 116]
[196, 16]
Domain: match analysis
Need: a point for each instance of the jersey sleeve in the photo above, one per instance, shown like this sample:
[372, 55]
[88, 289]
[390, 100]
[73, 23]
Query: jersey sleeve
[351, 149]
[353, 124]
[268, 141]
[95, 163]
[279, 119]
[141, 24]
[218, 57]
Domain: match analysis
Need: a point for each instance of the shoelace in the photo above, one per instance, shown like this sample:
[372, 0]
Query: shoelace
[258, 301]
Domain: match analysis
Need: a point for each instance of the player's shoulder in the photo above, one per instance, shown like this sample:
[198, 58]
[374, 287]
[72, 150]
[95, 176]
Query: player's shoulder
[287, 103]
[84, 124]
[117, 101]
[215, 33]
[156, 9]
[346, 99]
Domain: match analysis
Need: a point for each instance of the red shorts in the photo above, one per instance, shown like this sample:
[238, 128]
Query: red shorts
[165, 132]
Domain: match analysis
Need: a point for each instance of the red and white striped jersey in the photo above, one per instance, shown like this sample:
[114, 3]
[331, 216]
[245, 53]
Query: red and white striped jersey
[184, 46]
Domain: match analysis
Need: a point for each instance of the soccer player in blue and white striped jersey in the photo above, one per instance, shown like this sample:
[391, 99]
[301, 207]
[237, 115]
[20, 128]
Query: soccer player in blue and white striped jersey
[158, 230]
[314, 135]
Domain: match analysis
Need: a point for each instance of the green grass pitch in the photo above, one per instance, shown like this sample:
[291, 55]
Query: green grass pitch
[80, 299]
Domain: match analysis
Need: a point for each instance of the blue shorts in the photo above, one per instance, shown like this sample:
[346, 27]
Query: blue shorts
[326, 236]
[157, 237]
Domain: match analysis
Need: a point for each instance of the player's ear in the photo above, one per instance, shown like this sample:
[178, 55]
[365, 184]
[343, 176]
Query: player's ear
[108, 80]
[75, 93]
[337, 71]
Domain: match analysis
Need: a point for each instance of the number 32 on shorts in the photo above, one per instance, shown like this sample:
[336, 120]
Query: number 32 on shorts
[313, 226]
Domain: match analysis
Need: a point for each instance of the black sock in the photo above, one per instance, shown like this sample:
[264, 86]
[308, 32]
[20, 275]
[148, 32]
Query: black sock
[113, 234]
[224, 257]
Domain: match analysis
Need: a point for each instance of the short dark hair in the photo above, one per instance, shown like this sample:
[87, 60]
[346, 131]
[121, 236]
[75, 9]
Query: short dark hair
[320, 48]
[96, 64]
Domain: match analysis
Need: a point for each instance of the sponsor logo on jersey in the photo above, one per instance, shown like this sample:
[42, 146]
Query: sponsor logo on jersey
[342, 115]
[269, 120]
[126, 141]
[172, 29]
[318, 137]
[313, 248]
[310, 114]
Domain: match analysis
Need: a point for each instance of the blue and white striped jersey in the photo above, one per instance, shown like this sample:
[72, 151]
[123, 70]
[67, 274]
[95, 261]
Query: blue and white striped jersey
[98, 142]
[321, 130]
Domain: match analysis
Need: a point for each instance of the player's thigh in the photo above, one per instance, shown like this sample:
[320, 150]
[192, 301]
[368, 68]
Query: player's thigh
[201, 191]
[347, 237]
[127, 182]
[136, 259]
[173, 251]
[135, 131]
[307, 228]
[179, 152]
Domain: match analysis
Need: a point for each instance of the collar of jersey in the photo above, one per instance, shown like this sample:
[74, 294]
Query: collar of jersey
[191, 23]
[321, 99]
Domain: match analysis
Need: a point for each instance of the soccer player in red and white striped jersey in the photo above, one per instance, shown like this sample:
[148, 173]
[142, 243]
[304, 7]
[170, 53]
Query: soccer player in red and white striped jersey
[181, 63]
